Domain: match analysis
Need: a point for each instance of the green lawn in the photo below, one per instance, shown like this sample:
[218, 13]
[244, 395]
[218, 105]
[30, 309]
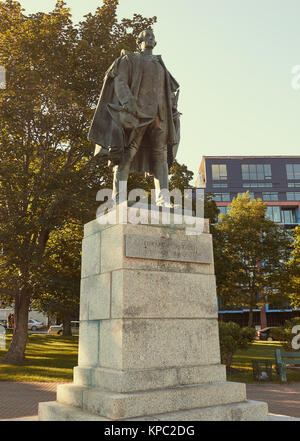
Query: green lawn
[242, 362]
[50, 358]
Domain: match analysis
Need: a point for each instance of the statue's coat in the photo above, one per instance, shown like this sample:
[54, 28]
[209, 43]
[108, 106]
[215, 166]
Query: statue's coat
[107, 131]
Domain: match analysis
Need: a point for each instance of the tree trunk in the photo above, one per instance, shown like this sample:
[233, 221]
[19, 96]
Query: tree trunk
[66, 319]
[16, 351]
[228, 363]
[263, 317]
[250, 319]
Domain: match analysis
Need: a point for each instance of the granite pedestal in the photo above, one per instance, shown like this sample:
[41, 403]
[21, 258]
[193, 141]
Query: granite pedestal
[148, 342]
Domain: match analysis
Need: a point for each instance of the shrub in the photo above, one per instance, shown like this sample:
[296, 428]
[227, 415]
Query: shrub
[278, 334]
[233, 338]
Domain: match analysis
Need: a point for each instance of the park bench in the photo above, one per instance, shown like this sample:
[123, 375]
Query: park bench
[283, 359]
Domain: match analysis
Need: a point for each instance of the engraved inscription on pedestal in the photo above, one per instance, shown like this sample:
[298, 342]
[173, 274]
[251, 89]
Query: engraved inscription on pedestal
[162, 248]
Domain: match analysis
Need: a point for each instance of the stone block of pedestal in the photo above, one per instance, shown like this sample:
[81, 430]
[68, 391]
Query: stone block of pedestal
[148, 342]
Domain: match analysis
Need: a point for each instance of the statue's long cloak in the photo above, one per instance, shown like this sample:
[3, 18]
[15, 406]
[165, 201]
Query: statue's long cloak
[105, 130]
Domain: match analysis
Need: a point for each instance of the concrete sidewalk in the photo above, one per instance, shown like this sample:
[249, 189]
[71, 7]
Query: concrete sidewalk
[20, 400]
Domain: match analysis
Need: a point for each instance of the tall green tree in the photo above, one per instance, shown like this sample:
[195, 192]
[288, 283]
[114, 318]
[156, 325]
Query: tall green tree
[211, 210]
[47, 171]
[251, 252]
[294, 270]
[180, 177]
[58, 292]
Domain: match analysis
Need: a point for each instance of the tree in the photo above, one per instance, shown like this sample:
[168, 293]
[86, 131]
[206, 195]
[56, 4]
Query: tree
[294, 270]
[251, 253]
[48, 174]
[211, 210]
[59, 281]
[180, 176]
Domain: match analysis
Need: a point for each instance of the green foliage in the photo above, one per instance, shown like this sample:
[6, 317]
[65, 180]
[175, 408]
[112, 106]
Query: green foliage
[233, 338]
[251, 253]
[211, 210]
[180, 177]
[292, 322]
[48, 176]
[59, 288]
[277, 334]
[293, 285]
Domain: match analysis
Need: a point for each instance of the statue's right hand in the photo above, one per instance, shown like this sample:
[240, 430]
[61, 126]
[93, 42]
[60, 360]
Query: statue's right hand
[115, 153]
[131, 106]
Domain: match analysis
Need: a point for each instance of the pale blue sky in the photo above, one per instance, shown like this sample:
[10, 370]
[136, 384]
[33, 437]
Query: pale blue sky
[233, 61]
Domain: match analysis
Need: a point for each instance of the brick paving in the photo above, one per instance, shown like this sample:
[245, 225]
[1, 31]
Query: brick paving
[19, 400]
[283, 399]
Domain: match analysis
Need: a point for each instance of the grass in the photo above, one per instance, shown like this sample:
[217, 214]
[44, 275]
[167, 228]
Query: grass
[50, 358]
[242, 363]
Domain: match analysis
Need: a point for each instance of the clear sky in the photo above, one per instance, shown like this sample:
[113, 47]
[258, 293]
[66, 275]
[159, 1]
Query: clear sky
[233, 61]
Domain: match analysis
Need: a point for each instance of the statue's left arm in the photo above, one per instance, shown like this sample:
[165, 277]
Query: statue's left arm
[174, 137]
[174, 87]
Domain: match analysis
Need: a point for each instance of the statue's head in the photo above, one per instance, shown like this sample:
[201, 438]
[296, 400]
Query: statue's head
[146, 39]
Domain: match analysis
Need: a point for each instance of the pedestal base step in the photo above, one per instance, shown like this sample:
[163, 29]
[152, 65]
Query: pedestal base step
[246, 411]
[116, 406]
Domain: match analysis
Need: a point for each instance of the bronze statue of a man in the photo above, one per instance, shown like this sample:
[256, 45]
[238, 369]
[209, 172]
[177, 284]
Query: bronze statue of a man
[136, 123]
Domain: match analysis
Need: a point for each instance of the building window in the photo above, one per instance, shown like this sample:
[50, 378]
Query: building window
[293, 195]
[288, 216]
[222, 197]
[223, 210]
[271, 196]
[256, 172]
[219, 172]
[257, 184]
[285, 216]
[293, 184]
[273, 213]
[218, 185]
[293, 171]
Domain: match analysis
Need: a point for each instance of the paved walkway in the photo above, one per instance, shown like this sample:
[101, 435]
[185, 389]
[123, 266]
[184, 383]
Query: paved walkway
[19, 400]
[282, 399]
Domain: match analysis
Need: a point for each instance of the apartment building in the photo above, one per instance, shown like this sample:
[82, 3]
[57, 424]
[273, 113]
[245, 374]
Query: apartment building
[274, 179]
